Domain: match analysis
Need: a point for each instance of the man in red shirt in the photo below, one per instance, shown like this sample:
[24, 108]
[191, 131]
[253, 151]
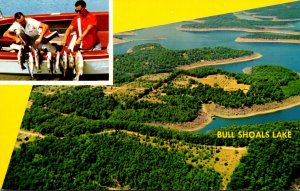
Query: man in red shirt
[85, 24]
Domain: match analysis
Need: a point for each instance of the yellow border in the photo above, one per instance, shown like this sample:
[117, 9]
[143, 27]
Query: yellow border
[13, 103]
[136, 14]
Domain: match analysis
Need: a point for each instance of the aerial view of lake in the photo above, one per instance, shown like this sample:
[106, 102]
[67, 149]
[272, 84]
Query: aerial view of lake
[283, 54]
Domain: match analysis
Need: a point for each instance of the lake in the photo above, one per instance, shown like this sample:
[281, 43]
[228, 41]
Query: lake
[282, 54]
[10, 7]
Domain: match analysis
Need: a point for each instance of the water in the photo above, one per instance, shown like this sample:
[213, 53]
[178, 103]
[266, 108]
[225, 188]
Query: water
[10, 7]
[286, 55]
[288, 114]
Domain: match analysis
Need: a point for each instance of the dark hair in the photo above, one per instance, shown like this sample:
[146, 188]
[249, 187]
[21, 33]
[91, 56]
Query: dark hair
[18, 15]
[80, 2]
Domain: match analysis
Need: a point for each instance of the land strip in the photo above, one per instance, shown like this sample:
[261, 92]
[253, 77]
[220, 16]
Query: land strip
[240, 39]
[254, 56]
[214, 109]
[238, 29]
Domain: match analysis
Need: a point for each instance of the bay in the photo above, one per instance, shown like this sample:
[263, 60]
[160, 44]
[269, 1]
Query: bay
[282, 54]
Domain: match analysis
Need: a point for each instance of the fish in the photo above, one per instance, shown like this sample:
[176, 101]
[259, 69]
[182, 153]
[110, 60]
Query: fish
[48, 61]
[21, 57]
[30, 64]
[56, 61]
[71, 62]
[78, 65]
[64, 64]
[37, 60]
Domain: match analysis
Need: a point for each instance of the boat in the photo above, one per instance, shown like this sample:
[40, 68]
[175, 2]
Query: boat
[95, 61]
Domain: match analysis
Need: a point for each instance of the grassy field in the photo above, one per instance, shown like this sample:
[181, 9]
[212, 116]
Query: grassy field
[218, 80]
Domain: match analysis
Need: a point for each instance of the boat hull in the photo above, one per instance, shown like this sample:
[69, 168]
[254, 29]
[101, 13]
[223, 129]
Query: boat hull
[96, 66]
[95, 61]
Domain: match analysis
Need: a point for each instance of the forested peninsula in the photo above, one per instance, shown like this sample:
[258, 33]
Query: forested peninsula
[269, 37]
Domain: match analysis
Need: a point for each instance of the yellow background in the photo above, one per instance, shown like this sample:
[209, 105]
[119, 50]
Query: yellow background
[136, 14]
[13, 100]
[127, 15]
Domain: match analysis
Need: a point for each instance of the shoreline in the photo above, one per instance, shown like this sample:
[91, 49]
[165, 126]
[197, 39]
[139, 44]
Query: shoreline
[120, 41]
[127, 33]
[290, 41]
[200, 122]
[272, 107]
[237, 29]
[253, 56]
[211, 110]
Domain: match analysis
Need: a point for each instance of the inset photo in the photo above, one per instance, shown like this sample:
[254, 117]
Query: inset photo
[57, 42]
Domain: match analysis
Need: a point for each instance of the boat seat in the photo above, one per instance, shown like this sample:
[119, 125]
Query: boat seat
[49, 36]
[103, 39]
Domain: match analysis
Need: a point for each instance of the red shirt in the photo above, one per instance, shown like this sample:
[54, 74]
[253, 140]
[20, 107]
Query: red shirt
[90, 40]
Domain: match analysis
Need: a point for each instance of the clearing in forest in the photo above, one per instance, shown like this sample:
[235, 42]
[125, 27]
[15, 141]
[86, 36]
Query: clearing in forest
[217, 80]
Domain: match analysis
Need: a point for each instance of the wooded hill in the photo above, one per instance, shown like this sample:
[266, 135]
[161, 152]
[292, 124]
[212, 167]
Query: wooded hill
[152, 58]
[102, 161]
[231, 21]
[271, 36]
[177, 104]
[284, 11]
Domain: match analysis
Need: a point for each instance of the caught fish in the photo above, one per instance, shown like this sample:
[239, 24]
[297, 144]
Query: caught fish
[30, 64]
[71, 62]
[21, 57]
[64, 63]
[37, 60]
[50, 62]
[56, 62]
[78, 65]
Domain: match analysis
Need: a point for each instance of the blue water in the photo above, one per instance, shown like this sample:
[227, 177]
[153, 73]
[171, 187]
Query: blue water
[286, 55]
[273, 53]
[10, 7]
[288, 114]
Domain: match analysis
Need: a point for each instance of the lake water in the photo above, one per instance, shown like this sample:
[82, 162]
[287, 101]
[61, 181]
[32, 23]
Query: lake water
[286, 55]
[10, 7]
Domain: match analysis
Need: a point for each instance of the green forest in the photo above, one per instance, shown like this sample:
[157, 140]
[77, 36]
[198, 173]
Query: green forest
[75, 149]
[229, 21]
[152, 58]
[178, 104]
[92, 160]
[272, 36]
[284, 11]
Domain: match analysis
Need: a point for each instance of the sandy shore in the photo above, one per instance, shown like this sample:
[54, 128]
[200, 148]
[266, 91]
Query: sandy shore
[220, 62]
[239, 39]
[203, 119]
[238, 29]
[120, 41]
[128, 33]
[214, 109]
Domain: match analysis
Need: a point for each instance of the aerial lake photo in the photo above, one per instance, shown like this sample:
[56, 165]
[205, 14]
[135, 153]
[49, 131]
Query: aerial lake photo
[183, 94]
[273, 53]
